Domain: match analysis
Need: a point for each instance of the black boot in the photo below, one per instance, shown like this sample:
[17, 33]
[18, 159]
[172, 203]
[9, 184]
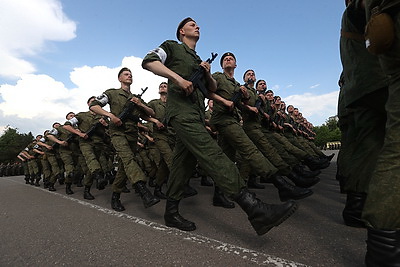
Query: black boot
[298, 169]
[68, 189]
[252, 183]
[61, 179]
[316, 164]
[172, 217]
[100, 179]
[158, 193]
[110, 177]
[46, 183]
[288, 191]
[263, 216]
[383, 248]
[37, 181]
[86, 193]
[51, 187]
[152, 182]
[78, 179]
[219, 199]
[205, 181]
[116, 203]
[353, 209]
[27, 178]
[148, 199]
[189, 191]
[32, 181]
[301, 181]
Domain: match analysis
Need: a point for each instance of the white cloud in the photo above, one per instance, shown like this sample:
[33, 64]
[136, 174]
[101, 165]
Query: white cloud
[316, 108]
[314, 86]
[25, 27]
[36, 101]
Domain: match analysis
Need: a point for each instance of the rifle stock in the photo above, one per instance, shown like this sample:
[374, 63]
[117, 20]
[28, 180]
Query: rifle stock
[198, 75]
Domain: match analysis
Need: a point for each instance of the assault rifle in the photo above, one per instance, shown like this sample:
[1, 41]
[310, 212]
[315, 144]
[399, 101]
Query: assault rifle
[198, 76]
[129, 107]
[238, 95]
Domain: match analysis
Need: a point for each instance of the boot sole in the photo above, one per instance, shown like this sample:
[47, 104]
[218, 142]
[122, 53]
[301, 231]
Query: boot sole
[181, 228]
[289, 213]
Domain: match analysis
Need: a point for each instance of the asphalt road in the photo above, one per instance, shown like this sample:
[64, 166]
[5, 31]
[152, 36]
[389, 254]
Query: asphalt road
[42, 228]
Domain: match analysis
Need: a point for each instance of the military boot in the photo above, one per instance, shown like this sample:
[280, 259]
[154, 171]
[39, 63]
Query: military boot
[302, 181]
[383, 248]
[116, 203]
[100, 179]
[352, 211]
[298, 169]
[68, 189]
[158, 193]
[252, 183]
[288, 191]
[219, 199]
[61, 178]
[27, 178]
[263, 216]
[51, 187]
[205, 181]
[172, 217]
[46, 183]
[32, 180]
[148, 199]
[316, 164]
[37, 181]
[86, 193]
[78, 178]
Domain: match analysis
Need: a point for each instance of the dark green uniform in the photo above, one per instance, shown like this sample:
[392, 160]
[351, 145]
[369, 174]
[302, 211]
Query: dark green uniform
[231, 136]
[124, 138]
[193, 142]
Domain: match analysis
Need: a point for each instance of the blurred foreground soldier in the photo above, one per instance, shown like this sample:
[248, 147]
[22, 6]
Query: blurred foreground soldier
[364, 93]
[381, 212]
[124, 136]
[185, 112]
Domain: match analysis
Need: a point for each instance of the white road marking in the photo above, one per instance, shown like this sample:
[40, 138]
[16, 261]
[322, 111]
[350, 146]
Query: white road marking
[246, 254]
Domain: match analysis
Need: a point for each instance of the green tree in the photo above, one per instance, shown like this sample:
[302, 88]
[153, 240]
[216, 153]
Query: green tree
[328, 132]
[11, 143]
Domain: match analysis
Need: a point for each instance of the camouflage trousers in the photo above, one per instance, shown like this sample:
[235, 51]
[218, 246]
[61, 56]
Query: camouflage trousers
[381, 209]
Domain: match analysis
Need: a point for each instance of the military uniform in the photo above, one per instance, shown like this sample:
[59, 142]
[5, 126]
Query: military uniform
[192, 139]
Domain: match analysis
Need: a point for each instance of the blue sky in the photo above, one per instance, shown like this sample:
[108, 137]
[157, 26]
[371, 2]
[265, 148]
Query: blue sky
[59, 53]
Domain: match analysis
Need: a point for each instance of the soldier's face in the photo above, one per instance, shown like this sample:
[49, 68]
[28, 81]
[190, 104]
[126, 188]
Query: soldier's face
[229, 62]
[70, 116]
[191, 29]
[261, 86]
[163, 89]
[249, 75]
[269, 96]
[125, 77]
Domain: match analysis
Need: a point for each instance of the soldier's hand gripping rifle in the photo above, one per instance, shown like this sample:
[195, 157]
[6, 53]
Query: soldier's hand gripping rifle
[237, 97]
[129, 107]
[198, 76]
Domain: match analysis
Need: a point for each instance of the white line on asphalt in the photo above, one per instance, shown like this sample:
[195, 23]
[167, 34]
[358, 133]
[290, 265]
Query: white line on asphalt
[246, 254]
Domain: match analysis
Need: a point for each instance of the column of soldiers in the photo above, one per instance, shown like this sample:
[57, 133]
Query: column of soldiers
[247, 138]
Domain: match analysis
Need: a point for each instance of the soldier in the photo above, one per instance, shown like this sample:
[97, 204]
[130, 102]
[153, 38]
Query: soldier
[124, 136]
[185, 112]
[381, 211]
[90, 127]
